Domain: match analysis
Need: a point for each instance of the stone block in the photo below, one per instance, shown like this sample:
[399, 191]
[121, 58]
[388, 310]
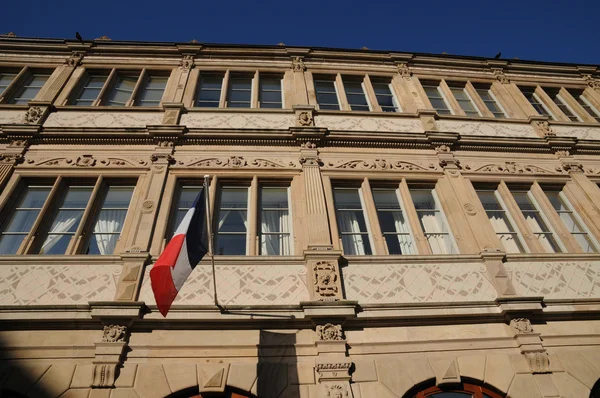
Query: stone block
[593, 357]
[181, 376]
[301, 373]
[82, 378]
[498, 371]
[100, 393]
[295, 391]
[374, 389]
[577, 366]
[391, 374]
[472, 366]
[446, 370]
[212, 377]
[54, 382]
[418, 369]
[364, 370]
[523, 385]
[546, 385]
[124, 393]
[76, 393]
[519, 363]
[242, 375]
[568, 386]
[151, 381]
[24, 377]
[126, 375]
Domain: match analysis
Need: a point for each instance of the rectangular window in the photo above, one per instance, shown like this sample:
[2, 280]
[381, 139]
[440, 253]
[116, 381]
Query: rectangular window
[534, 100]
[274, 221]
[562, 104]
[393, 222]
[32, 85]
[355, 94]
[5, 80]
[351, 221]
[433, 223]
[270, 92]
[240, 91]
[385, 97]
[490, 101]
[151, 91]
[501, 221]
[20, 221]
[434, 93]
[576, 227]
[535, 220]
[232, 221]
[585, 104]
[90, 90]
[464, 100]
[185, 199]
[209, 90]
[123, 90]
[72, 212]
[326, 95]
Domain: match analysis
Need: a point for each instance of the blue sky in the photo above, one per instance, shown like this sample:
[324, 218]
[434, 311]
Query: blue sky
[548, 30]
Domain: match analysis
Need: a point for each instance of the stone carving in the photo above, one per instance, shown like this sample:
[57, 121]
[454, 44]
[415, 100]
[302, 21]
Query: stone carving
[578, 279]
[369, 123]
[75, 59]
[298, 64]
[165, 144]
[214, 120]
[539, 362]
[305, 119]
[572, 167]
[33, 115]
[521, 325]
[57, 284]
[187, 62]
[404, 70]
[470, 209]
[544, 128]
[103, 119]
[103, 38]
[442, 149]
[114, 334]
[333, 366]
[417, 283]
[582, 133]
[500, 76]
[308, 145]
[325, 279]
[235, 162]
[512, 168]
[310, 161]
[83, 161]
[11, 158]
[487, 129]
[167, 157]
[18, 143]
[337, 391]
[382, 164]
[89, 161]
[103, 375]
[591, 82]
[562, 154]
[240, 285]
[329, 332]
[148, 204]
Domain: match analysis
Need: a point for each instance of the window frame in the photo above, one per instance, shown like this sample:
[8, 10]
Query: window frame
[353, 185]
[330, 79]
[538, 100]
[436, 84]
[22, 75]
[477, 87]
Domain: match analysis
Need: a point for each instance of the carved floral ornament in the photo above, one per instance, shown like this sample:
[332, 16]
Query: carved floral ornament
[33, 115]
[114, 334]
[500, 76]
[591, 82]
[88, 161]
[313, 161]
[237, 162]
[187, 62]
[404, 70]
[10, 158]
[325, 279]
[521, 325]
[383, 164]
[329, 332]
[544, 128]
[337, 391]
[298, 64]
[306, 119]
[511, 168]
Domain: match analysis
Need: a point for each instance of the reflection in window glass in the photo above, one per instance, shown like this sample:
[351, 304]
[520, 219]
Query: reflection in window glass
[536, 222]
[500, 222]
[232, 221]
[109, 221]
[351, 221]
[464, 101]
[185, 200]
[22, 218]
[436, 98]
[151, 93]
[209, 90]
[5, 80]
[355, 95]
[385, 98]
[270, 92]
[90, 90]
[274, 221]
[326, 94]
[122, 91]
[240, 91]
[565, 211]
[534, 100]
[30, 88]
[393, 223]
[67, 220]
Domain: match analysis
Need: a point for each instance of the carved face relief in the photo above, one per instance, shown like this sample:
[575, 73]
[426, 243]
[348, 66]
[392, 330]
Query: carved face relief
[325, 279]
[305, 119]
[329, 332]
[336, 391]
[521, 325]
[114, 334]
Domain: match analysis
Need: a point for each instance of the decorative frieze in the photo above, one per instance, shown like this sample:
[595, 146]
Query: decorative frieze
[383, 164]
[88, 161]
[236, 162]
[511, 168]
[329, 332]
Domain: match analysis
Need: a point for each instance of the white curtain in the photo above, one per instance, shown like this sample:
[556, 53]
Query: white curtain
[272, 243]
[501, 226]
[223, 217]
[106, 231]
[536, 226]
[353, 244]
[63, 223]
[433, 226]
[402, 227]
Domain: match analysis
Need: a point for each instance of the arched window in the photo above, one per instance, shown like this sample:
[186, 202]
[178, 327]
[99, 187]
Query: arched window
[463, 390]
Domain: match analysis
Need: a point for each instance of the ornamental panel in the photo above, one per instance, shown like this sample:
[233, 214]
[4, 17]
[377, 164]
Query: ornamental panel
[487, 129]
[11, 117]
[103, 119]
[417, 283]
[364, 123]
[556, 280]
[239, 285]
[583, 133]
[57, 284]
[218, 120]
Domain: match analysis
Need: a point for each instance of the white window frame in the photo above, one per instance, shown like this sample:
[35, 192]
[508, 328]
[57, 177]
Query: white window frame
[335, 87]
[512, 222]
[566, 104]
[464, 90]
[551, 229]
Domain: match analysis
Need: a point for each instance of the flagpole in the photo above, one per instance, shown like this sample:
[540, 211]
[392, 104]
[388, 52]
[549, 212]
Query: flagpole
[210, 237]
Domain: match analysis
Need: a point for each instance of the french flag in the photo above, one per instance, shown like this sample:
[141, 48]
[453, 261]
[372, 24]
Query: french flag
[185, 250]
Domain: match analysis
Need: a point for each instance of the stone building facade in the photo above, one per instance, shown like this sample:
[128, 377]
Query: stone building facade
[387, 224]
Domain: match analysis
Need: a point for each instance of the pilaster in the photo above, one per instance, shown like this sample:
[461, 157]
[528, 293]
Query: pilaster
[297, 82]
[332, 365]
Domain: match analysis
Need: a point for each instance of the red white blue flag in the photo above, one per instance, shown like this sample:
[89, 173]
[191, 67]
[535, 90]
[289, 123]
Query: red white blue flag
[185, 250]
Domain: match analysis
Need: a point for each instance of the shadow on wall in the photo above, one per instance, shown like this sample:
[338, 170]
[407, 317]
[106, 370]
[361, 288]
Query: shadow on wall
[277, 368]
